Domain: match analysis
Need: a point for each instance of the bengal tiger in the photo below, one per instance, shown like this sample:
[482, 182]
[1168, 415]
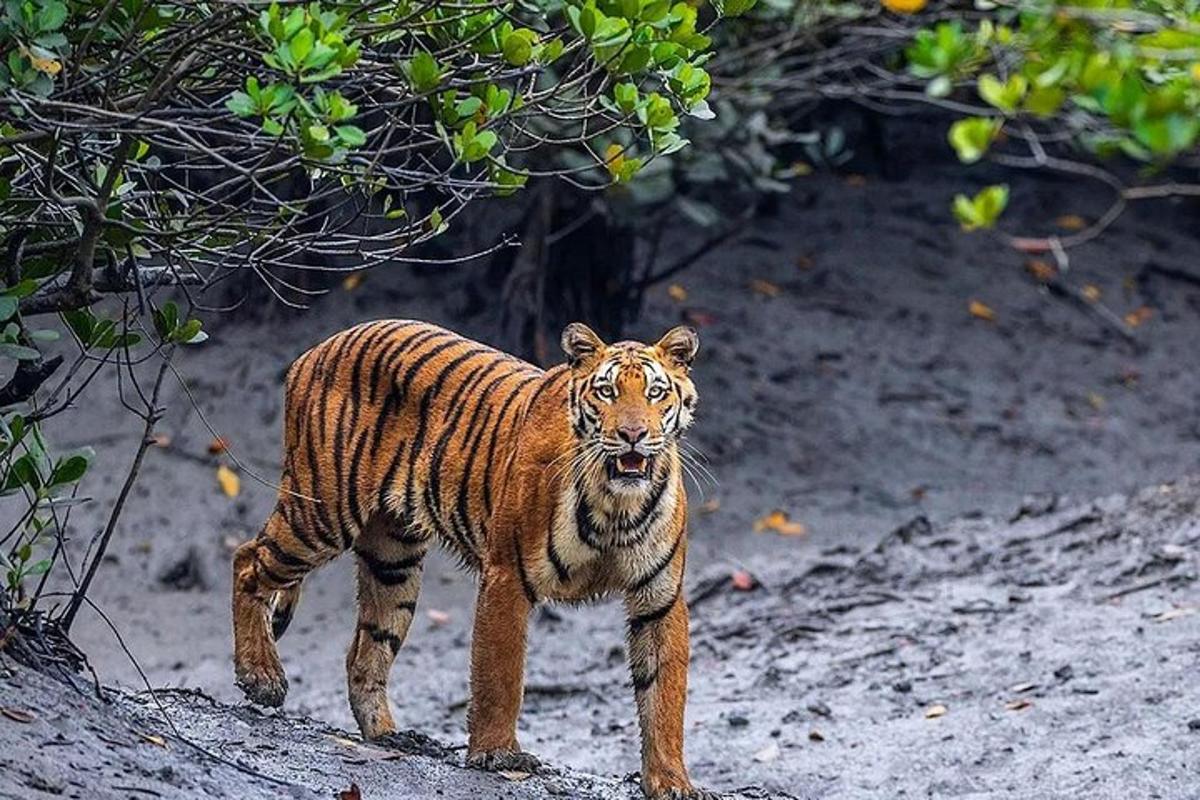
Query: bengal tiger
[556, 485]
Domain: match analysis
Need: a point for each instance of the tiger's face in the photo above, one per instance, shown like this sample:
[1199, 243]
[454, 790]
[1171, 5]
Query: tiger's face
[630, 401]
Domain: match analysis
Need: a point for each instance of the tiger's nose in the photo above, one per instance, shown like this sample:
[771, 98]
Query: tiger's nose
[632, 433]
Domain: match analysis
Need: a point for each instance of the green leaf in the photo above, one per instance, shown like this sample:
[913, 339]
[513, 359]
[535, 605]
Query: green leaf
[351, 135]
[241, 104]
[18, 352]
[971, 137]
[982, 210]
[8, 307]
[518, 47]
[1003, 95]
[301, 45]
[424, 72]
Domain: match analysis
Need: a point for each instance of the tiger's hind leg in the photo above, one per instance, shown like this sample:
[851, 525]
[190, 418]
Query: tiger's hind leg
[267, 572]
[389, 579]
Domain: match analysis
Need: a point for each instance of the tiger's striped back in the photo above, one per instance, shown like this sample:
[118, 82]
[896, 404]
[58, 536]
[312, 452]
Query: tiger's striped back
[404, 419]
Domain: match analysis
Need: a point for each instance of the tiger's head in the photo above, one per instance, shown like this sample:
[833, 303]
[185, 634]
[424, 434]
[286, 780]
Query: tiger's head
[629, 402]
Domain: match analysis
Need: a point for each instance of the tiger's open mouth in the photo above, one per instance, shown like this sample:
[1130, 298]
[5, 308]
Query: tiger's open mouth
[629, 466]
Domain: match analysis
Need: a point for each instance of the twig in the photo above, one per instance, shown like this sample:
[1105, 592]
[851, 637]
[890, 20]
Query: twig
[153, 414]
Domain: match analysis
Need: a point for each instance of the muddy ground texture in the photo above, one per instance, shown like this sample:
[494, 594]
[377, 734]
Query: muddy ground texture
[1049, 655]
[856, 395]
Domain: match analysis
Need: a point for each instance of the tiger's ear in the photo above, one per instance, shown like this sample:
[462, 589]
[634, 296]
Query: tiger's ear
[679, 346]
[580, 343]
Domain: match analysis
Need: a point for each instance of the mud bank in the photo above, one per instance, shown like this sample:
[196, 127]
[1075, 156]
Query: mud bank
[1048, 654]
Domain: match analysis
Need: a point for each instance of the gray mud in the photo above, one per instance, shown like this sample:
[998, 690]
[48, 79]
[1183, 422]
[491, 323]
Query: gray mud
[860, 397]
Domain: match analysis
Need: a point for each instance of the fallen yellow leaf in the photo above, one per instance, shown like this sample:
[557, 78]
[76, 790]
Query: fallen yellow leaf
[1091, 292]
[935, 711]
[677, 293]
[437, 617]
[352, 281]
[981, 311]
[765, 288]
[1138, 316]
[778, 522]
[513, 775]
[1096, 401]
[1196, 71]
[1071, 222]
[229, 481]
[1018, 705]
[152, 739]
[1043, 271]
[904, 6]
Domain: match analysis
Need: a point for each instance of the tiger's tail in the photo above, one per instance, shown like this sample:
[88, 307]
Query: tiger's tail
[283, 607]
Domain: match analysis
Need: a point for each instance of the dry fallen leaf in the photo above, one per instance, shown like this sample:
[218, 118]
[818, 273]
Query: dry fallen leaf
[805, 262]
[816, 736]
[1175, 613]
[160, 440]
[1096, 401]
[935, 711]
[779, 522]
[153, 739]
[710, 506]
[1138, 316]
[437, 616]
[1071, 222]
[800, 169]
[352, 281]
[767, 754]
[218, 445]
[981, 311]
[1023, 687]
[1018, 705]
[677, 293]
[18, 714]
[513, 775]
[860, 180]
[1041, 270]
[230, 484]
[1091, 292]
[765, 288]
[743, 581]
[47, 65]
[352, 793]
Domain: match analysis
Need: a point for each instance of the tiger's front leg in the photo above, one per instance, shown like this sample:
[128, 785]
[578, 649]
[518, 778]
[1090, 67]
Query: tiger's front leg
[658, 664]
[498, 671]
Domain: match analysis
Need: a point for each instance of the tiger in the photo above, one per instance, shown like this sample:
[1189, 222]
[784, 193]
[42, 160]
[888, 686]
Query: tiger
[564, 484]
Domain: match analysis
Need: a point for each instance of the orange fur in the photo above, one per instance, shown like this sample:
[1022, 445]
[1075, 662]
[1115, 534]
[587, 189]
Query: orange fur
[563, 484]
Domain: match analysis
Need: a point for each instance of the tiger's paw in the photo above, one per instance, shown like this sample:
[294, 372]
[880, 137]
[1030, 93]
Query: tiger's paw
[674, 785]
[263, 686]
[504, 761]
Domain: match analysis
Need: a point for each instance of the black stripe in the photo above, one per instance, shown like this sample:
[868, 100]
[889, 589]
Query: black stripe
[285, 559]
[414, 448]
[638, 623]
[390, 573]
[530, 594]
[410, 374]
[383, 637]
[656, 570]
[548, 380]
[280, 581]
[552, 555]
[489, 463]
[357, 455]
[652, 503]
[583, 523]
[642, 682]
[391, 352]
